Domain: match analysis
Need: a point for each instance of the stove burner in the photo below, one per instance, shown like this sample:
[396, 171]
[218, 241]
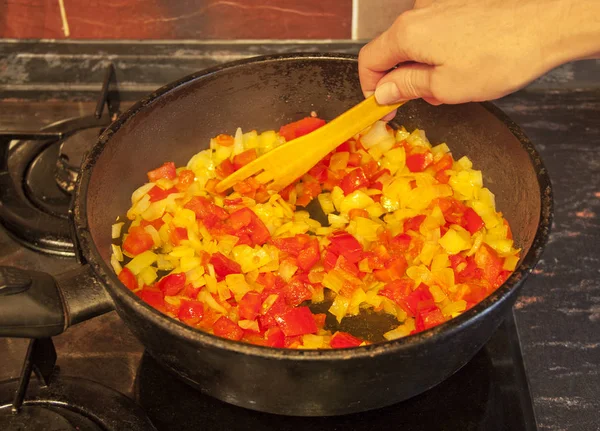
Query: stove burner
[38, 171]
[70, 156]
[52, 174]
[70, 404]
[489, 393]
[54, 403]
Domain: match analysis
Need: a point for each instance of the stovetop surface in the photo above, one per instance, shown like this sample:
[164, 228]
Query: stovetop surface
[490, 393]
[557, 315]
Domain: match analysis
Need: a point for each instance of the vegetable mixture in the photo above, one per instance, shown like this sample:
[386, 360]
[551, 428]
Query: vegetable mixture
[412, 233]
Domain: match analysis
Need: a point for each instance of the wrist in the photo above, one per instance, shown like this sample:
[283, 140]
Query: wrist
[572, 30]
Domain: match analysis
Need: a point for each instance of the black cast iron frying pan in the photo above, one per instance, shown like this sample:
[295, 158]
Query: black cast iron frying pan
[262, 93]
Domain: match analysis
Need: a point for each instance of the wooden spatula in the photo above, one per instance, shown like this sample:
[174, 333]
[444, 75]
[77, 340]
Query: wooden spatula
[285, 164]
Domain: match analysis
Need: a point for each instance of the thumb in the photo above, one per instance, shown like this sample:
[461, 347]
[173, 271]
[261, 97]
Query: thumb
[408, 81]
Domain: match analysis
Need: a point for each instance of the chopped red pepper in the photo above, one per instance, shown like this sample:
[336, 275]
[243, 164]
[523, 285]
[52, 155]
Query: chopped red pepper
[224, 266]
[177, 234]
[225, 140]
[414, 223]
[354, 180]
[167, 171]
[226, 328]
[153, 297]
[309, 256]
[297, 321]
[249, 305]
[300, 128]
[296, 293]
[343, 340]
[157, 194]
[191, 312]
[172, 284]
[418, 162]
[225, 169]
[137, 241]
[245, 221]
[344, 244]
[128, 279]
[244, 158]
[186, 179]
[473, 221]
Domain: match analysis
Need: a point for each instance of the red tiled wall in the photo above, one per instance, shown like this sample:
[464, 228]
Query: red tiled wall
[177, 19]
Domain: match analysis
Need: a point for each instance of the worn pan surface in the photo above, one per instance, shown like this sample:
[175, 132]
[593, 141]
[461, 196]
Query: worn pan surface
[178, 120]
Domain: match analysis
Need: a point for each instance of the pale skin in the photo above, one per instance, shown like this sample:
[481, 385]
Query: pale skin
[457, 51]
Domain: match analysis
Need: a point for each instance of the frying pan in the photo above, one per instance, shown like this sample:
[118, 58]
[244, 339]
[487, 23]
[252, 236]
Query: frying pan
[262, 93]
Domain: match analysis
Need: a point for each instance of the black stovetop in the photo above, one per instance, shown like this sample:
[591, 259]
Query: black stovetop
[490, 393]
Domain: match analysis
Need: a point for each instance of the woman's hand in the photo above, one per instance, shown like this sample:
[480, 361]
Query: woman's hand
[455, 51]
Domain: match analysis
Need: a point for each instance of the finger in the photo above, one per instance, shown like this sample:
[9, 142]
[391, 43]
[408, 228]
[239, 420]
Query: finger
[432, 101]
[409, 81]
[378, 57]
[390, 116]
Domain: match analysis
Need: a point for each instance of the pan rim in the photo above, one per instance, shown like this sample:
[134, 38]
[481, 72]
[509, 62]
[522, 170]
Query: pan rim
[194, 335]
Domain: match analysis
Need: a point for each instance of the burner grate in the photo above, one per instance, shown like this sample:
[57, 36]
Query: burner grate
[38, 171]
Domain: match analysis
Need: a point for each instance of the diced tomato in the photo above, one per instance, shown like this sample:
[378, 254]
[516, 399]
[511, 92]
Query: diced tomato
[224, 266]
[274, 337]
[191, 312]
[249, 305]
[472, 220]
[128, 279]
[245, 221]
[172, 284]
[153, 297]
[157, 194]
[225, 169]
[244, 158]
[296, 293]
[354, 180]
[177, 234]
[309, 256]
[167, 171]
[414, 223]
[297, 321]
[300, 128]
[225, 140]
[343, 340]
[344, 244]
[418, 162]
[137, 241]
[226, 328]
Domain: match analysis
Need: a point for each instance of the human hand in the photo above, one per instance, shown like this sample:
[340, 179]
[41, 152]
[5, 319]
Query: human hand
[455, 51]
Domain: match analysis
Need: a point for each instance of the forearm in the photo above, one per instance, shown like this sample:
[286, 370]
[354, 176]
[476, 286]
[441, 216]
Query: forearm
[573, 32]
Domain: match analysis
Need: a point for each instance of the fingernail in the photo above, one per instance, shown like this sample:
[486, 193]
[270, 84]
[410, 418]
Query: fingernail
[387, 94]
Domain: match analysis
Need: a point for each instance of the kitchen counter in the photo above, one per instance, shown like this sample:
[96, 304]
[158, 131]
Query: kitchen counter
[558, 312]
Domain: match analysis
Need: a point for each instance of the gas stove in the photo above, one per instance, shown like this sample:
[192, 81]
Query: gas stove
[97, 376]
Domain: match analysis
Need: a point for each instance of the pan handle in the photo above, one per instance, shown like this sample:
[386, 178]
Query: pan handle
[36, 305]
